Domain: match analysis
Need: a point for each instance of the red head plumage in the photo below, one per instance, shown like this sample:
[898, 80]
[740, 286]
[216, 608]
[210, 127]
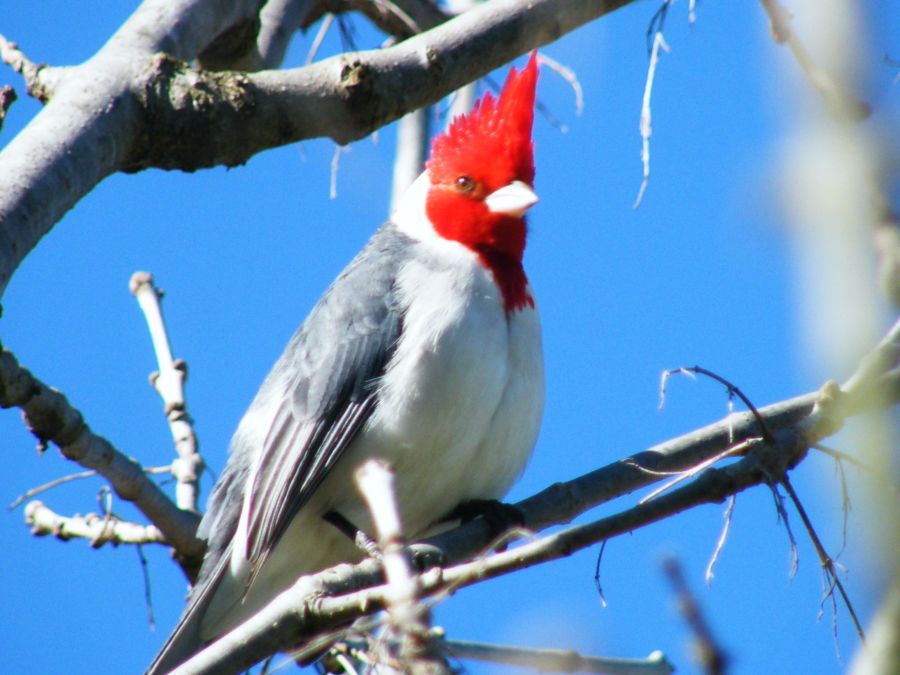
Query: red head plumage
[495, 136]
[482, 155]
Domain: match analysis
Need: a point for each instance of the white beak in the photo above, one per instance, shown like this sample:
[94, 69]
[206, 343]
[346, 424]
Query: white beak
[511, 200]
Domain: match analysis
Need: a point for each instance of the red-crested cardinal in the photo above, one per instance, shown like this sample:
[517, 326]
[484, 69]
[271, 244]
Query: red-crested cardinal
[425, 351]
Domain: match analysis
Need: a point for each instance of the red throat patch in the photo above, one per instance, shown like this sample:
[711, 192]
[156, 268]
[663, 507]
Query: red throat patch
[481, 152]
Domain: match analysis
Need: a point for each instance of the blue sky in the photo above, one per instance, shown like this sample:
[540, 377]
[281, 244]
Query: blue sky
[701, 273]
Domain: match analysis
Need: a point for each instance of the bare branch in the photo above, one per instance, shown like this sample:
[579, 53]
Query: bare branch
[51, 417]
[169, 384]
[98, 529]
[83, 133]
[260, 43]
[49, 486]
[399, 18]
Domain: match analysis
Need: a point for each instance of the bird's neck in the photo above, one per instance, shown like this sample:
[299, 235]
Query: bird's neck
[510, 277]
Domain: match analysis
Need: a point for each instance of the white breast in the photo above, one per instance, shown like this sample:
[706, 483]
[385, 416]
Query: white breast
[460, 404]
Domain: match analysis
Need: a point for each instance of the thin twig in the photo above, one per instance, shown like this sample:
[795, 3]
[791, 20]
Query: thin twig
[824, 558]
[148, 596]
[646, 126]
[783, 518]
[843, 457]
[732, 389]
[568, 75]
[335, 167]
[720, 542]
[48, 486]
[597, 583]
[739, 449]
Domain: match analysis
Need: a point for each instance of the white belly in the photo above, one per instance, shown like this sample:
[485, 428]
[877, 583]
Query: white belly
[457, 417]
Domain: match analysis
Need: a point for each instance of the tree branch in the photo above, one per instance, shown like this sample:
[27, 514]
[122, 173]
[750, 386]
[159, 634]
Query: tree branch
[169, 384]
[98, 529]
[83, 133]
[52, 418]
[137, 105]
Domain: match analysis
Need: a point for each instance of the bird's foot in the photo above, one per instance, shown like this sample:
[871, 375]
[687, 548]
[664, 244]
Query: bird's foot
[426, 556]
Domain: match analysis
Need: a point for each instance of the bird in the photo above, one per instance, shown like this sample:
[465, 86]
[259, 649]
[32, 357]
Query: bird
[425, 351]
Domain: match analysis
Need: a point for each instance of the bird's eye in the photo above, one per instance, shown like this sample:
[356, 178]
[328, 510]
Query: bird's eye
[464, 184]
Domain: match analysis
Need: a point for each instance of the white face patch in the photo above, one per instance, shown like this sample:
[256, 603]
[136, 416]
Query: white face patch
[411, 219]
[409, 216]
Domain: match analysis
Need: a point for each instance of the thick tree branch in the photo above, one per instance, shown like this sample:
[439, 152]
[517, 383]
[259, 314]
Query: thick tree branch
[52, 418]
[198, 120]
[84, 132]
[136, 104]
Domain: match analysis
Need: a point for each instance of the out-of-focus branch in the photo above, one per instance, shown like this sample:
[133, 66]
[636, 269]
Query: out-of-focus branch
[840, 102]
[412, 151]
[409, 640]
[881, 653]
[51, 418]
[259, 42]
[710, 656]
[279, 20]
[887, 249]
[96, 528]
[559, 660]
[169, 384]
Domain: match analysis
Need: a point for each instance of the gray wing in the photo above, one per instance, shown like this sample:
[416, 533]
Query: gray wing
[317, 396]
